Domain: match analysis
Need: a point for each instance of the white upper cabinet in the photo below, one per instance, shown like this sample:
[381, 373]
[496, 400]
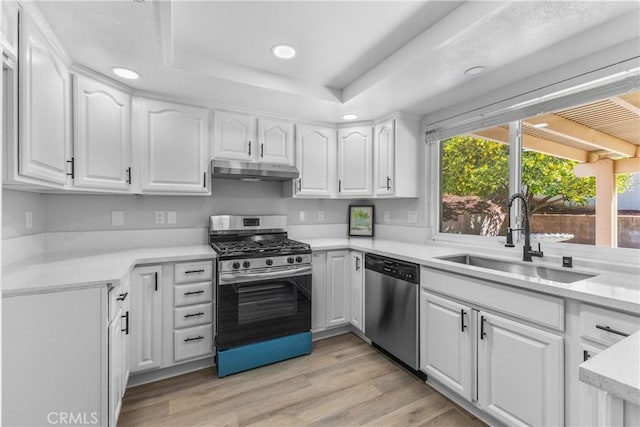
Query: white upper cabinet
[383, 158]
[316, 162]
[174, 148]
[9, 27]
[44, 102]
[102, 136]
[395, 158]
[275, 141]
[355, 161]
[234, 136]
[247, 138]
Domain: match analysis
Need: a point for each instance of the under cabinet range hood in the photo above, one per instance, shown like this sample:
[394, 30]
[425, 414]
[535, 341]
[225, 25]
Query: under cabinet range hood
[247, 171]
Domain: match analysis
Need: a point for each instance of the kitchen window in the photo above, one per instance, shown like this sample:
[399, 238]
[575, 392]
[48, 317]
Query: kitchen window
[576, 165]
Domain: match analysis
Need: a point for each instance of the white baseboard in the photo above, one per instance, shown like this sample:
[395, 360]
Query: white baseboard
[172, 371]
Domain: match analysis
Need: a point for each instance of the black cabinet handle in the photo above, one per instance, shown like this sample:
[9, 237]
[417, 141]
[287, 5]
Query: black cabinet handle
[462, 325]
[358, 263]
[122, 297]
[156, 275]
[339, 186]
[585, 355]
[249, 148]
[194, 271]
[482, 332]
[194, 292]
[73, 167]
[128, 175]
[613, 331]
[198, 338]
[299, 184]
[388, 183]
[262, 150]
[126, 328]
[186, 316]
[205, 180]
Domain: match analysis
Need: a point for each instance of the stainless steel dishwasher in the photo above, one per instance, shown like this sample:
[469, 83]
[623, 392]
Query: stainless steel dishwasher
[391, 307]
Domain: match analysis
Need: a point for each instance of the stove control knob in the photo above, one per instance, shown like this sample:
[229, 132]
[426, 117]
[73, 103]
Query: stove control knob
[290, 260]
[246, 264]
[298, 259]
[269, 261]
[236, 265]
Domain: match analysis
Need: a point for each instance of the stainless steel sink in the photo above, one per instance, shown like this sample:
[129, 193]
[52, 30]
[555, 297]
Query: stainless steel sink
[531, 270]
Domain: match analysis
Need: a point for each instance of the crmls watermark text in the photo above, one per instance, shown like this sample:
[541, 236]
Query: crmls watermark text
[72, 418]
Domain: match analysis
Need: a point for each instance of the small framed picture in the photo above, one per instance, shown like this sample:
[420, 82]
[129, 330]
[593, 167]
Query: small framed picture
[361, 220]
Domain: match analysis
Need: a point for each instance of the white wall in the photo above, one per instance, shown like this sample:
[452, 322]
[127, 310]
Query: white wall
[15, 205]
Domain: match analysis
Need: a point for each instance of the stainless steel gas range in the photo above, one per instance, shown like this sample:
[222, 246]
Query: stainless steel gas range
[263, 292]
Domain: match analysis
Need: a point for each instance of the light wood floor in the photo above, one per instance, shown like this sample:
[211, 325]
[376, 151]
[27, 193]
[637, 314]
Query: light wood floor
[344, 382]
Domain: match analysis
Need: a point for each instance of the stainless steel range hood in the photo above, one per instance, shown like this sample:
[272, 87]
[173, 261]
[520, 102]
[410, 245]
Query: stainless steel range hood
[246, 171]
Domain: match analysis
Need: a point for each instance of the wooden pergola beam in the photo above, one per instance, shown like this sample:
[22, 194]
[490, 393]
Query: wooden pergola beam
[534, 143]
[583, 134]
[620, 166]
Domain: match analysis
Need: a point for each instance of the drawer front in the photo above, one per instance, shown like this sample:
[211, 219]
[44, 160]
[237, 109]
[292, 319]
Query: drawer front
[606, 326]
[195, 293]
[192, 315]
[193, 342]
[539, 308]
[193, 271]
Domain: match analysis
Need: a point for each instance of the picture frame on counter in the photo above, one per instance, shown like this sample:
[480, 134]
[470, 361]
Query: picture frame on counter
[361, 220]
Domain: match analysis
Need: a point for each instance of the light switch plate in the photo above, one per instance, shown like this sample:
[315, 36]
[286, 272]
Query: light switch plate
[301, 216]
[159, 217]
[117, 218]
[171, 217]
[412, 217]
[29, 219]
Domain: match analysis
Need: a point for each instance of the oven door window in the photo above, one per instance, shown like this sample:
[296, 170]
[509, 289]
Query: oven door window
[257, 311]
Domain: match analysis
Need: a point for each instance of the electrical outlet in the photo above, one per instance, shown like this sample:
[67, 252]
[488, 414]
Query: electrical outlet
[301, 216]
[159, 217]
[29, 219]
[412, 217]
[171, 217]
[386, 216]
[320, 215]
[117, 218]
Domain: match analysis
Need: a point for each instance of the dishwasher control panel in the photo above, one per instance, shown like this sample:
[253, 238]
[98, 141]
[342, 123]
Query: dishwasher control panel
[403, 270]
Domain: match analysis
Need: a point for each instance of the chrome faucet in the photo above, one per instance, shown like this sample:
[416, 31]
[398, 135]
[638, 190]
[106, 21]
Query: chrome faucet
[527, 253]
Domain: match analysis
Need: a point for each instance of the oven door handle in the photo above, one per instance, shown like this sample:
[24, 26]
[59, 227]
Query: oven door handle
[234, 278]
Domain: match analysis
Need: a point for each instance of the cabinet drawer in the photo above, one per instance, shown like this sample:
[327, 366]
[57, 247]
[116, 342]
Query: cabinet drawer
[193, 342]
[194, 293]
[192, 315]
[606, 326]
[193, 271]
[539, 308]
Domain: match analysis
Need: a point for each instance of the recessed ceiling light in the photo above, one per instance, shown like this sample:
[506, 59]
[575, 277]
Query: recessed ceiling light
[540, 125]
[125, 73]
[350, 117]
[475, 70]
[283, 51]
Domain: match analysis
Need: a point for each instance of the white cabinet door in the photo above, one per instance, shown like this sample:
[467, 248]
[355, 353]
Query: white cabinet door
[520, 372]
[446, 343]
[318, 292]
[355, 161]
[316, 161]
[9, 26]
[275, 141]
[234, 136]
[102, 136]
[174, 140]
[126, 334]
[115, 368]
[146, 318]
[44, 139]
[590, 397]
[357, 290]
[384, 158]
[338, 275]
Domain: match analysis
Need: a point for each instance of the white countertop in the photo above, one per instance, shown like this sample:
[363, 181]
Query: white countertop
[71, 270]
[613, 289]
[616, 370]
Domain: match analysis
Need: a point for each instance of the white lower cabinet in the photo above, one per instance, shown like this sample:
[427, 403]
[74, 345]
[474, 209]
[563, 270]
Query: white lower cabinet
[446, 342]
[520, 372]
[318, 291]
[511, 370]
[337, 288]
[116, 368]
[356, 312]
[146, 318]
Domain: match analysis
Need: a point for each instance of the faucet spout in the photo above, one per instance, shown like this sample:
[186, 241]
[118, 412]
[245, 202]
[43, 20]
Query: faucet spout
[527, 253]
